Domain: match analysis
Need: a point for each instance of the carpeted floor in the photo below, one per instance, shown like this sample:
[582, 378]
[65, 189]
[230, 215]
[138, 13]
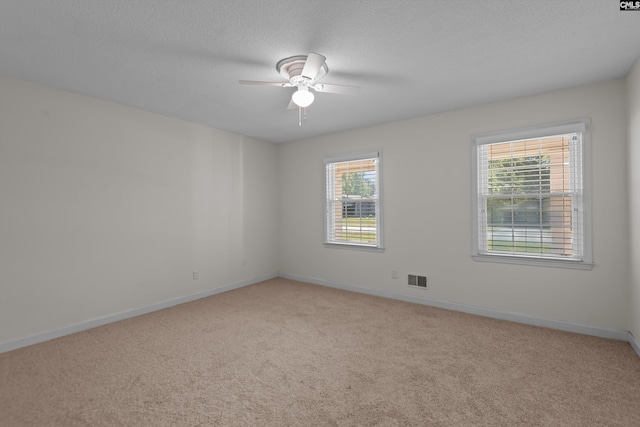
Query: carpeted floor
[285, 353]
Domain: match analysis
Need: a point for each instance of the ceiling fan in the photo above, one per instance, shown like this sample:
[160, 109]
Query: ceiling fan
[302, 72]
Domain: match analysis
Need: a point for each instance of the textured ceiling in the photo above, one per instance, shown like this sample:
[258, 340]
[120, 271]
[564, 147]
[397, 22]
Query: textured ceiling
[410, 57]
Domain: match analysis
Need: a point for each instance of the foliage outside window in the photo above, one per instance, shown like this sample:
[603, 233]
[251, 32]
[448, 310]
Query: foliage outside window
[530, 201]
[352, 202]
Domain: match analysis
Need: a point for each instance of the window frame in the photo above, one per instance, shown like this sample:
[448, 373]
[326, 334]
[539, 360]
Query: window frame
[354, 157]
[581, 125]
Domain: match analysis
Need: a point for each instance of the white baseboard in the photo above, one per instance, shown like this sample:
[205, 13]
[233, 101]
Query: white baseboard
[111, 318]
[487, 312]
[634, 343]
[496, 314]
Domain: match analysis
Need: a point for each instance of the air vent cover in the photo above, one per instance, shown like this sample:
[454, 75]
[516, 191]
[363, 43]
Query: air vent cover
[419, 281]
[422, 281]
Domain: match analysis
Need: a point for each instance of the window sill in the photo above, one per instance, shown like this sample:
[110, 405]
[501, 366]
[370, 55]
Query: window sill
[353, 246]
[510, 259]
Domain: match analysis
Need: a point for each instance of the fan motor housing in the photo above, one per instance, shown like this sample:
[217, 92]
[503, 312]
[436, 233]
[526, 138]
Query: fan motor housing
[291, 68]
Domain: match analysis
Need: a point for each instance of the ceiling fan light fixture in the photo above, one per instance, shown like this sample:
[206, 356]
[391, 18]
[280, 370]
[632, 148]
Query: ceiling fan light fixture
[302, 97]
[302, 73]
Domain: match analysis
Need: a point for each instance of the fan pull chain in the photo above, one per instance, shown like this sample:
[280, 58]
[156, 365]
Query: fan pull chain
[302, 115]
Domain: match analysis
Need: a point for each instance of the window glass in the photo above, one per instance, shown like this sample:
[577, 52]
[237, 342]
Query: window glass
[530, 200]
[352, 203]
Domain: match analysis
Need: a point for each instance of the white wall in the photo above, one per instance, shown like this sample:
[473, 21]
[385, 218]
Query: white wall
[105, 208]
[634, 198]
[427, 202]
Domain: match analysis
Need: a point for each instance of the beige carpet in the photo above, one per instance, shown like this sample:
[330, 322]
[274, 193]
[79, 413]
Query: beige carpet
[284, 353]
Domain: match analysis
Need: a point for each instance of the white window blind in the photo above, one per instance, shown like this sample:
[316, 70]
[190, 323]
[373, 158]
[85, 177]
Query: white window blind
[352, 202]
[530, 201]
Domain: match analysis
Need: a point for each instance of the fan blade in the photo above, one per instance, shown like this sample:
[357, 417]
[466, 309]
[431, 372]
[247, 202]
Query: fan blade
[341, 89]
[312, 65]
[253, 82]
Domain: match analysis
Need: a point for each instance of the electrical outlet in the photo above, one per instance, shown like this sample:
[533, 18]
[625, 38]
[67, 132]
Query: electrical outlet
[195, 275]
[394, 273]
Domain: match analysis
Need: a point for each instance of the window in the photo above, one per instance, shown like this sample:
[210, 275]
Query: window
[352, 200]
[531, 198]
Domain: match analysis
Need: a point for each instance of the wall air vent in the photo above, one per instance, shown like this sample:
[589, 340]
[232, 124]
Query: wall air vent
[422, 281]
[418, 281]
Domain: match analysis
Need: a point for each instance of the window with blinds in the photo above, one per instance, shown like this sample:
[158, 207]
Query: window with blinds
[352, 202]
[530, 194]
